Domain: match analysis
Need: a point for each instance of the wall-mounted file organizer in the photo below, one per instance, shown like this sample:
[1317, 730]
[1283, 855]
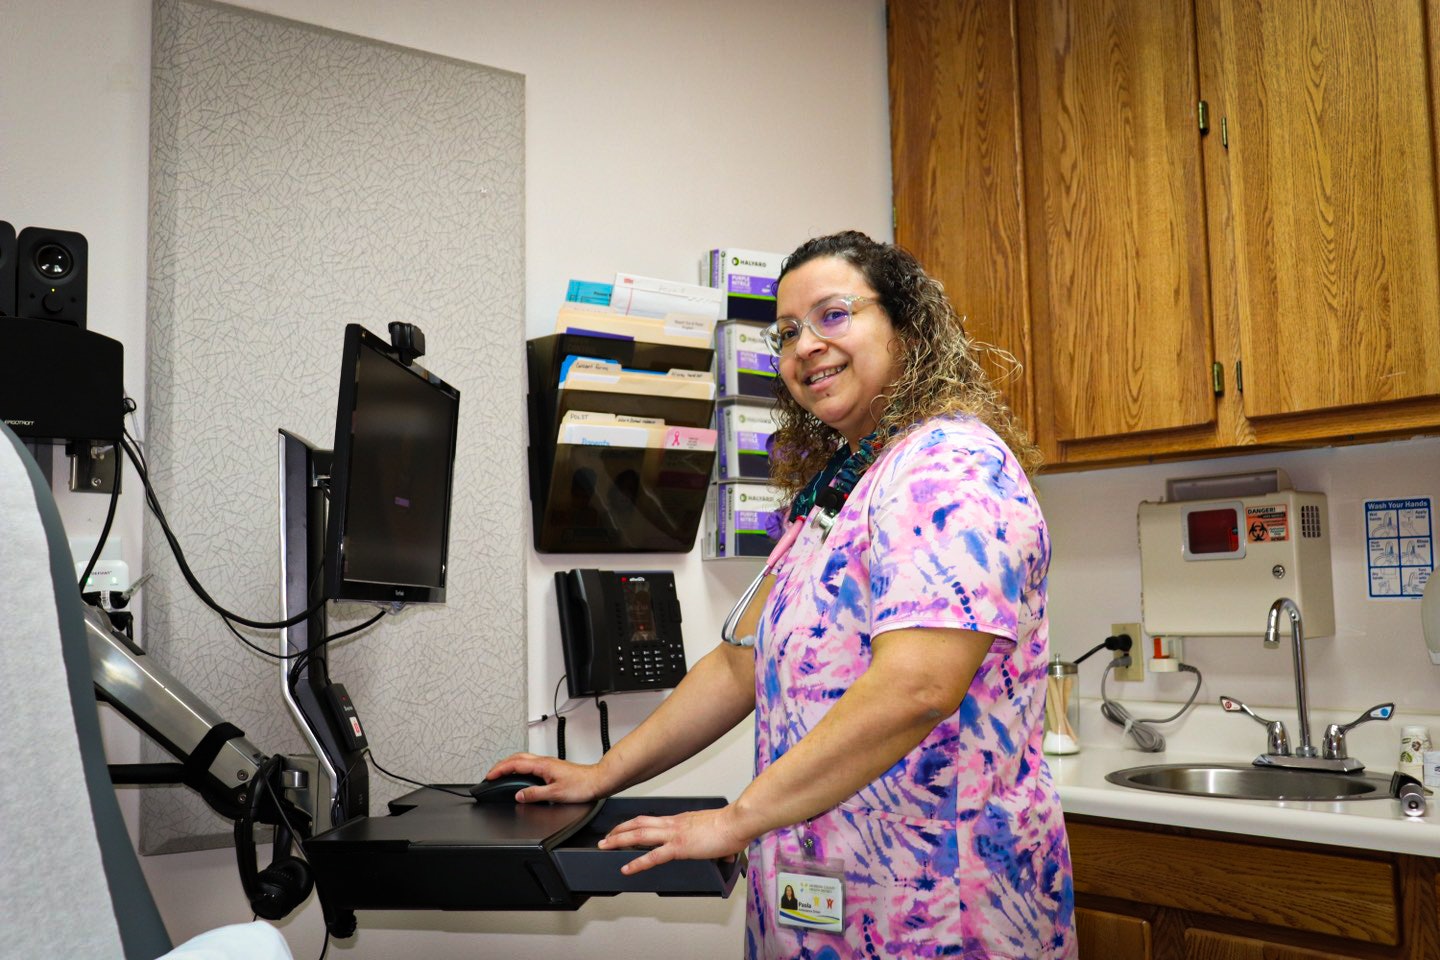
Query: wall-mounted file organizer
[614, 499]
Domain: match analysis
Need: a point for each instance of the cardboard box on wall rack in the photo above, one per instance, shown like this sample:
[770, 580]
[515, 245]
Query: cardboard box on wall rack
[745, 366]
[741, 520]
[743, 436]
[747, 278]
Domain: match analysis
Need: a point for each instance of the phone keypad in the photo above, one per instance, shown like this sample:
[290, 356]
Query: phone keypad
[655, 664]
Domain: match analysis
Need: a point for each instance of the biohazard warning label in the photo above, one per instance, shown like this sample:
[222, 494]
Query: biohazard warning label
[1267, 522]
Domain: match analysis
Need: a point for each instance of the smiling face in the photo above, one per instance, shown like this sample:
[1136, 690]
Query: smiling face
[837, 380]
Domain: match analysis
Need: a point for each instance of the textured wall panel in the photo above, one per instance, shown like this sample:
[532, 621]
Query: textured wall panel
[301, 180]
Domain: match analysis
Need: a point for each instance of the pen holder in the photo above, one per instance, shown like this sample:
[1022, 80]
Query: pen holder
[1062, 708]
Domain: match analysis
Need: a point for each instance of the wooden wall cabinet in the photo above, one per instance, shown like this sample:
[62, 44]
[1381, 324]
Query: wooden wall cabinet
[1166, 893]
[1271, 279]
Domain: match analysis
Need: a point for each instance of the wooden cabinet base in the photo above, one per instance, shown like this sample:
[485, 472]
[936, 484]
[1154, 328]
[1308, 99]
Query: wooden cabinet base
[1167, 893]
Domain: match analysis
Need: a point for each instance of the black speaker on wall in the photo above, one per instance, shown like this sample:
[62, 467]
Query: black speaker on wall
[51, 271]
[7, 270]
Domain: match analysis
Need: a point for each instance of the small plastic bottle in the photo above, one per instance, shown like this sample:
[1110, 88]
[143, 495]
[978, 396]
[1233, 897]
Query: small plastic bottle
[1062, 708]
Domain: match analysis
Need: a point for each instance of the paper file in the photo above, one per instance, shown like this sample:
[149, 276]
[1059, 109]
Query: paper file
[679, 330]
[607, 376]
[610, 430]
[589, 291]
[649, 297]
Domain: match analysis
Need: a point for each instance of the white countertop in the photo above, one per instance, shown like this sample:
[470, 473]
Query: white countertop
[1209, 735]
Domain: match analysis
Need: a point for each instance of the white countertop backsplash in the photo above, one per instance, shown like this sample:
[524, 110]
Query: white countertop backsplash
[1207, 734]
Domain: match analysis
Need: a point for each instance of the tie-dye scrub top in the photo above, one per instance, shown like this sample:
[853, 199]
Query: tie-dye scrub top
[959, 849]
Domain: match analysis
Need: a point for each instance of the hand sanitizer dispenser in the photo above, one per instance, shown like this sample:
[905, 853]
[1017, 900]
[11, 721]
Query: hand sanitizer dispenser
[1218, 551]
[1430, 617]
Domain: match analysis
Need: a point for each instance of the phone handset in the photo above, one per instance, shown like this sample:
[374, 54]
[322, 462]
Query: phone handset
[577, 631]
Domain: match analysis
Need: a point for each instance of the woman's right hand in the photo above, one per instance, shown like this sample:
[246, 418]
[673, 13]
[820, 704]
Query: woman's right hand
[565, 782]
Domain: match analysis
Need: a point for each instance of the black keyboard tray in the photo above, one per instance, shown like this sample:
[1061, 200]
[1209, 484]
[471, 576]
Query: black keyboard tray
[437, 851]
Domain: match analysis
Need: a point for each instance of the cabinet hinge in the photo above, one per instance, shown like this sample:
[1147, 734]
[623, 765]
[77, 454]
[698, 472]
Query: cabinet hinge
[1239, 383]
[1217, 378]
[1202, 114]
[1225, 132]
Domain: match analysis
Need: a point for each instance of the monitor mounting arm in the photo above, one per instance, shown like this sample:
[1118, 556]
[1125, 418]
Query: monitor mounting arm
[215, 758]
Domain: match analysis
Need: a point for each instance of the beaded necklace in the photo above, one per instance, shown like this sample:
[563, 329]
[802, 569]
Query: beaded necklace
[831, 485]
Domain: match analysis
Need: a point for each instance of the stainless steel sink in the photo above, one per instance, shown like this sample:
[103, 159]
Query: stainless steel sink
[1247, 782]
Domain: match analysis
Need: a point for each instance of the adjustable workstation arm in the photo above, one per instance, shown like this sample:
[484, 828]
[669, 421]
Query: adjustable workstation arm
[214, 757]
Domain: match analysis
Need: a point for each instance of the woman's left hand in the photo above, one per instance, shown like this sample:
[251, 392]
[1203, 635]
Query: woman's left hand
[697, 835]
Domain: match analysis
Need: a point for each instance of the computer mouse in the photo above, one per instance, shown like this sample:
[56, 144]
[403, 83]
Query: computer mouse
[504, 787]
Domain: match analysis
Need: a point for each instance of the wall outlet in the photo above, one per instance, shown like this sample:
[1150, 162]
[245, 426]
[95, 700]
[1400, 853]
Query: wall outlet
[1136, 670]
[111, 572]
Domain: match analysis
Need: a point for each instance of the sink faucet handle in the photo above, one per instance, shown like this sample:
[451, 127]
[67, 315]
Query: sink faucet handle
[1278, 739]
[1335, 733]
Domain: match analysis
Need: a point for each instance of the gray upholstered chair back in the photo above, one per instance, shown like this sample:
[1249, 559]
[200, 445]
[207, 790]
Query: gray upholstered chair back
[70, 883]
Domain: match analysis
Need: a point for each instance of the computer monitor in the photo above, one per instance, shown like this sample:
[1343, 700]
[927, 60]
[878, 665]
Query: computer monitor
[388, 527]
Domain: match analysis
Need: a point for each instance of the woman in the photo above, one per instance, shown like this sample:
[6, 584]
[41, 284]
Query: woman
[898, 666]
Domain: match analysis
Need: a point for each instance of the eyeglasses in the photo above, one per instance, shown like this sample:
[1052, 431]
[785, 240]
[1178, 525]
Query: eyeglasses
[827, 320]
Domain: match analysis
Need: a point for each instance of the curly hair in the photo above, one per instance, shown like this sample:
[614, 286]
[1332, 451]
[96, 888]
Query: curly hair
[940, 372]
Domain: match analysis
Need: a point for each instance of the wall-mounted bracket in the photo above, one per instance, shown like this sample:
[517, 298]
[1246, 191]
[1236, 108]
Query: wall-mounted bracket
[93, 466]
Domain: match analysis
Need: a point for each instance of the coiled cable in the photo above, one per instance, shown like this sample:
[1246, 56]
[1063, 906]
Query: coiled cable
[1141, 729]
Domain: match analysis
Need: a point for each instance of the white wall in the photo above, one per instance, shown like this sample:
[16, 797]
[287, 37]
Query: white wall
[74, 122]
[653, 133]
[1377, 653]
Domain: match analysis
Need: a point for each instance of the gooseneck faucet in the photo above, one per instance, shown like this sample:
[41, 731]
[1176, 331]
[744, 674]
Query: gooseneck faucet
[1306, 756]
[1297, 638]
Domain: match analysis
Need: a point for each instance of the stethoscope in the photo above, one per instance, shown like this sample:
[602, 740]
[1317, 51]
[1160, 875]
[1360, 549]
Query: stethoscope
[727, 629]
[828, 502]
[824, 518]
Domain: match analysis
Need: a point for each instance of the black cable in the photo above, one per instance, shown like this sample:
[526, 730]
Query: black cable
[138, 448]
[604, 709]
[261, 650]
[292, 680]
[303, 657]
[555, 709]
[255, 646]
[154, 503]
[105, 530]
[1121, 642]
[280, 802]
[340, 783]
[427, 786]
[559, 718]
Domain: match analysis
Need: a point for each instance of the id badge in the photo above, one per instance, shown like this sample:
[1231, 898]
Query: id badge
[811, 894]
